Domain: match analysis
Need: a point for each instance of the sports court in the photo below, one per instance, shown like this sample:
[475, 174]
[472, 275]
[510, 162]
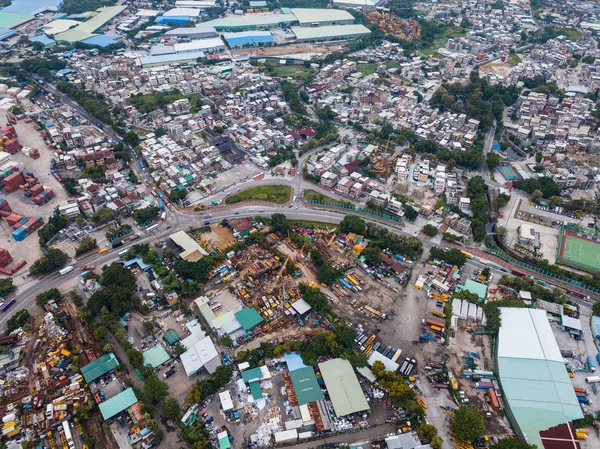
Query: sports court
[578, 249]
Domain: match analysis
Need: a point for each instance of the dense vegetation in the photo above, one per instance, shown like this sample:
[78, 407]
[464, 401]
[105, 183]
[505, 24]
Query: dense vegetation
[468, 423]
[451, 256]
[529, 285]
[160, 100]
[86, 245]
[117, 294]
[146, 215]
[55, 224]
[279, 194]
[478, 99]
[81, 6]
[492, 313]
[535, 186]
[51, 261]
[480, 206]
[91, 105]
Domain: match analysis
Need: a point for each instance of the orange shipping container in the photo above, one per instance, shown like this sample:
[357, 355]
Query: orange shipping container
[493, 398]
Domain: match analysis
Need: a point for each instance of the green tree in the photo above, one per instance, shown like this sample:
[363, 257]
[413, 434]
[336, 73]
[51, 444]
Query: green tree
[279, 222]
[87, 244]
[410, 212]
[103, 216]
[427, 431]
[159, 132]
[436, 442]
[429, 230]
[596, 308]
[226, 341]
[131, 139]
[512, 443]
[171, 410]
[49, 295]
[146, 215]
[492, 160]
[51, 261]
[156, 390]
[468, 423]
[352, 223]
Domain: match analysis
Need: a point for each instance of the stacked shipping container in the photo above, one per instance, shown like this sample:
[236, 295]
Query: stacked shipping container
[26, 227]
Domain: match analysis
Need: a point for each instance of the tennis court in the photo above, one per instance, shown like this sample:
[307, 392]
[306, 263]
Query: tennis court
[579, 250]
[508, 172]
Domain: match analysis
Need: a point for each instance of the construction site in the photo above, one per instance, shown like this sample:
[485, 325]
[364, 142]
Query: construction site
[392, 25]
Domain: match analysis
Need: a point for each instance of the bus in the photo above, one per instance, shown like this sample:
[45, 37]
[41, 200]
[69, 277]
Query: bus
[66, 270]
[151, 229]
[7, 304]
[122, 254]
[216, 307]
[103, 250]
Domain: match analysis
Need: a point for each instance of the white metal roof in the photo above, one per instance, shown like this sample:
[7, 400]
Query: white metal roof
[191, 12]
[301, 306]
[200, 44]
[389, 365]
[316, 15]
[226, 401]
[572, 323]
[526, 334]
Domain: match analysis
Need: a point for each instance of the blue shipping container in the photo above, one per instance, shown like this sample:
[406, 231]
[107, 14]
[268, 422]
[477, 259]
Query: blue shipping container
[591, 364]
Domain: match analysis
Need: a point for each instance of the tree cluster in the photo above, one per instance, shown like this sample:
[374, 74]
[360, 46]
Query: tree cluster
[51, 261]
[290, 93]
[146, 215]
[56, 223]
[492, 313]
[468, 423]
[80, 6]
[117, 294]
[545, 185]
[91, 105]
[429, 230]
[87, 244]
[451, 256]
[17, 320]
[103, 215]
[47, 296]
[480, 206]
[471, 159]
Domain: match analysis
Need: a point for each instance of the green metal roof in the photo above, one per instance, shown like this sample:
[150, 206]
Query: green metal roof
[86, 29]
[342, 384]
[252, 374]
[118, 403]
[156, 356]
[99, 367]
[248, 318]
[171, 337]
[255, 390]
[305, 385]
[474, 287]
[224, 442]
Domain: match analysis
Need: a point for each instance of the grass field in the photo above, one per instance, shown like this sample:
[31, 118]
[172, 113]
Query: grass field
[270, 194]
[441, 40]
[316, 196]
[369, 69]
[581, 251]
[513, 59]
[313, 224]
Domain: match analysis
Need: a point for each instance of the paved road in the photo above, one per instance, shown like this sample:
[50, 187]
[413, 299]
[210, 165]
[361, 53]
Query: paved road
[363, 436]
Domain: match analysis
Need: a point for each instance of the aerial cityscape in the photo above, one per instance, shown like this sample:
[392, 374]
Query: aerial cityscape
[318, 224]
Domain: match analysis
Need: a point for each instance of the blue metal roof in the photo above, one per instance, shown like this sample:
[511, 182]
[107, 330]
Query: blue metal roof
[5, 33]
[33, 6]
[172, 19]
[171, 58]
[248, 37]
[101, 41]
[43, 39]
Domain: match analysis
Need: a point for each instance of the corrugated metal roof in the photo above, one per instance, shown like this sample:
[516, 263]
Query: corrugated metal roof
[118, 403]
[305, 385]
[156, 356]
[342, 384]
[171, 337]
[531, 370]
[86, 29]
[330, 32]
[99, 367]
[248, 318]
[316, 15]
[252, 20]
[248, 37]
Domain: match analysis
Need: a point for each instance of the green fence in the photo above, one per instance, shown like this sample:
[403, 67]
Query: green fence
[121, 235]
[355, 209]
[549, 274]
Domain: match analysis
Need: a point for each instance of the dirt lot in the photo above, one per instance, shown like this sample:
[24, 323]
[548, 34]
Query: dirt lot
[218, 237]
[294, 49]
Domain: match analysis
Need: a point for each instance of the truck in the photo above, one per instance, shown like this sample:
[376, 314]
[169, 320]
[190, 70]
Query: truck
[163, 216]
[591, 364]
[169, 373]
[592, 379]
[493, 398]
[66, 270]
[433, 323]
[117, 244]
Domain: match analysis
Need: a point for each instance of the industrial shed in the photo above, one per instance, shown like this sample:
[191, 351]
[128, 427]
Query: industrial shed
[249, 39]
[155, 356]
[330, 33]
[118, 403]
[344, 389]
[537, 390]
[248, 318]
[198, 32]
[252, 22]
[99, 367]
[192, 251]
[308, 17]
[359, 4]
[305, 385]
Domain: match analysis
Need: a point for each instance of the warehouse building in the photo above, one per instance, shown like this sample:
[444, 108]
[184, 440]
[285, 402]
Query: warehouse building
[357, 4]
[212, 45]
[537, 391]
[198, 4]
[198, 32]
[252, 22]
[192, 251]
[99, 367]
[118, 403]
[310, 17]
[170, 59]
[249, 39]
[330, 33]
[344, 389]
